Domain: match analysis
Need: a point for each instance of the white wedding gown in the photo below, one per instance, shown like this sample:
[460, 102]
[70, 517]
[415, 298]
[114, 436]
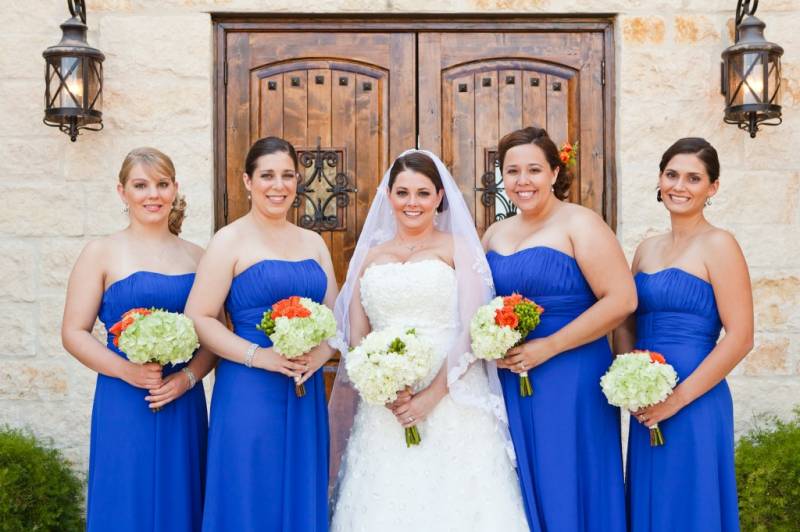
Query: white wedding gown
[460, 477]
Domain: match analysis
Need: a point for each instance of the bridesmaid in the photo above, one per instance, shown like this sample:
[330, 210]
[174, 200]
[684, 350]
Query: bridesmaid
[565, 258]
[691, 281]
[146, 469]
[268, 449]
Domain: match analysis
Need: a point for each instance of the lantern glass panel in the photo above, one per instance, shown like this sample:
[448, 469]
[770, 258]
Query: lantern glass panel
[94, 88]
[71, 92]
[753, 68]
[774, 80]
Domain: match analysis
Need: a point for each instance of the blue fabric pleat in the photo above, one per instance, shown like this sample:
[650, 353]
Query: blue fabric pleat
[267, 448]
[566, 435]
[689, 483]
[146, 470]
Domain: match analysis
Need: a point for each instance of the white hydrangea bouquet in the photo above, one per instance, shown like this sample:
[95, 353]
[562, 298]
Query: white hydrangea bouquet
[637, 380]
[501, 324]
[387, 361]
[153, 335]
[295, 326]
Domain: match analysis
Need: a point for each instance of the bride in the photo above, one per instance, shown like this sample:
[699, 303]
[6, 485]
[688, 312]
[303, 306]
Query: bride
[418, 263]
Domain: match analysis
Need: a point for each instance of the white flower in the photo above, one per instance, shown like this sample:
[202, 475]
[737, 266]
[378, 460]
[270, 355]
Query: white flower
[387, 361]
[489, 340]
[633, 381]
[296, 336]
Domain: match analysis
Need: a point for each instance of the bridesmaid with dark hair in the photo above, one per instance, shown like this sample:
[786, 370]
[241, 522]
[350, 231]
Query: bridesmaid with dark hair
[146, 469]
[692, 281]
[267, 448]
[565, 258]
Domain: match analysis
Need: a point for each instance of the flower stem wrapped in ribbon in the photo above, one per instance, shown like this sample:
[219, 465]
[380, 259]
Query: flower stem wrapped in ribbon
[387, 361]
[295, 326]
[152, 335]
[501, 324]
[637, 380]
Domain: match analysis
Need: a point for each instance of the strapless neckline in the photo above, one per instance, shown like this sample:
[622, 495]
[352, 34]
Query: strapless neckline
[676, 270]
[139, 272]
[398, 264]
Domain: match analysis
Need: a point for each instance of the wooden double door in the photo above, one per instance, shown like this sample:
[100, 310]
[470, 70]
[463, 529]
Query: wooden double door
[352, 94]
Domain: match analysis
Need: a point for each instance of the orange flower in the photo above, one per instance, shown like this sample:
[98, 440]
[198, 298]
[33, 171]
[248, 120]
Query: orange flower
[566, 147]
[290, 308]
[564, 157]
[127, 319]
[657, 358]
[505, 317]
[512, 300]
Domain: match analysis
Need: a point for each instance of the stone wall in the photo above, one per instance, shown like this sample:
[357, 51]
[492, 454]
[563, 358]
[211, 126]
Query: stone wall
[58, 195]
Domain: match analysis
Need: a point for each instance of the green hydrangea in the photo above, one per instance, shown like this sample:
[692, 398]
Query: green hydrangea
[292, 337]
[162, 337]
[633, 381]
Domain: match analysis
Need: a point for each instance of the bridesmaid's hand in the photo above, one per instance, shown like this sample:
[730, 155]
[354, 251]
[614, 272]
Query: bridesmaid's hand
[173, 387]
[267, 359]
[527, 356]
[147, 376]
[659, 412]
[313, 360]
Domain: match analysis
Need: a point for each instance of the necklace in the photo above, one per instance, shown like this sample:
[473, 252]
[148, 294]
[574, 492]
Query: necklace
[415, 246]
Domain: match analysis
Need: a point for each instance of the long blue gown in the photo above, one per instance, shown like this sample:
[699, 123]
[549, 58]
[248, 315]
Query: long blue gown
[566, 435]
[267, 448]
[689, 483]
[146, 470]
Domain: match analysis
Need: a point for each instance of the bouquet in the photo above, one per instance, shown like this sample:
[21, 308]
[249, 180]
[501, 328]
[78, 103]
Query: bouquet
[500, 325]
[152, 335]
[296, 325]
[387, 361]
[638, 380]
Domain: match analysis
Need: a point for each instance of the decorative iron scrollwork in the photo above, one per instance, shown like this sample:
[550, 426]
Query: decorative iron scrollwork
[493, 197]
[327, 213]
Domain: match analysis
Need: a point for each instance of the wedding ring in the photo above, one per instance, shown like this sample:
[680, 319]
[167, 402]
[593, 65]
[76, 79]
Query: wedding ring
[522, 366]
[410, 419]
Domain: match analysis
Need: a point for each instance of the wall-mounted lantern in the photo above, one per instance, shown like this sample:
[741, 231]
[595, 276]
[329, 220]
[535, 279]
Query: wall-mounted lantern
[751, 74]
[74, 78]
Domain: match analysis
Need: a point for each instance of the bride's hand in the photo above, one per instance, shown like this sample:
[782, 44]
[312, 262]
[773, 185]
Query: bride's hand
[416, 409]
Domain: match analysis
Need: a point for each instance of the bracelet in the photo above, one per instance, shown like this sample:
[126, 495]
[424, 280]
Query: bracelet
[190, 374]
[250, 355]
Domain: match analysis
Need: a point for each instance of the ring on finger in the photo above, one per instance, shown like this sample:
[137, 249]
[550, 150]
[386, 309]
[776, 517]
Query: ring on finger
[410, 419]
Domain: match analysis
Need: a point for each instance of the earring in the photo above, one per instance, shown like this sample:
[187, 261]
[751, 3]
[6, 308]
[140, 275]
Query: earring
[708, 202]
[125, 209]
[248, 196]
[435, 217]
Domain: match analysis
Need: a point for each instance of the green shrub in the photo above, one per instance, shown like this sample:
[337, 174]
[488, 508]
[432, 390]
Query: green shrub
[38, 490]
[768, 477]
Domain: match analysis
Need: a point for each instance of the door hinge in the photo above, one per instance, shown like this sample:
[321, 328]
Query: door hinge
[225, 207]
[225, 73]
[602, 72]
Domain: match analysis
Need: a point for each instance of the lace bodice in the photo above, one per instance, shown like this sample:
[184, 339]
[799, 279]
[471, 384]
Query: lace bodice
[419, 295]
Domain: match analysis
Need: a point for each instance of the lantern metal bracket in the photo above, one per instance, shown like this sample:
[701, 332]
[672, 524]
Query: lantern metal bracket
[77, 8]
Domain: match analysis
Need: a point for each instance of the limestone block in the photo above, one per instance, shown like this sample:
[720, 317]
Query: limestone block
[104, 215]
[22, 107]
[777, 304]
[40, 155]
[770, 356]
[17, 329]
[18, 266]
[57, 257]
[49, 316]
[642, 30]
[755, 396]
[149, 105]
[33, 380]
[759, 195]
[41, 210]
[767, 246]
[24, 59]
[147, 45]
[693, 29]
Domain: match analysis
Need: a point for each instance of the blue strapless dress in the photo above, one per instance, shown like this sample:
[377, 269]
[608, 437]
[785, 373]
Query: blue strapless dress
[267, 448]
[689, 483]
[146, 470]
[566, 435]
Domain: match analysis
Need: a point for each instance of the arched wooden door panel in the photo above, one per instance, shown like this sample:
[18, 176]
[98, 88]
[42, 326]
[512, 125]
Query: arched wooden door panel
[333, 96]
[476, 87]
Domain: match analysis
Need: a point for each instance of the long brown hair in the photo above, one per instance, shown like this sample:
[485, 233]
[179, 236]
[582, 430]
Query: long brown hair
[538, 137]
